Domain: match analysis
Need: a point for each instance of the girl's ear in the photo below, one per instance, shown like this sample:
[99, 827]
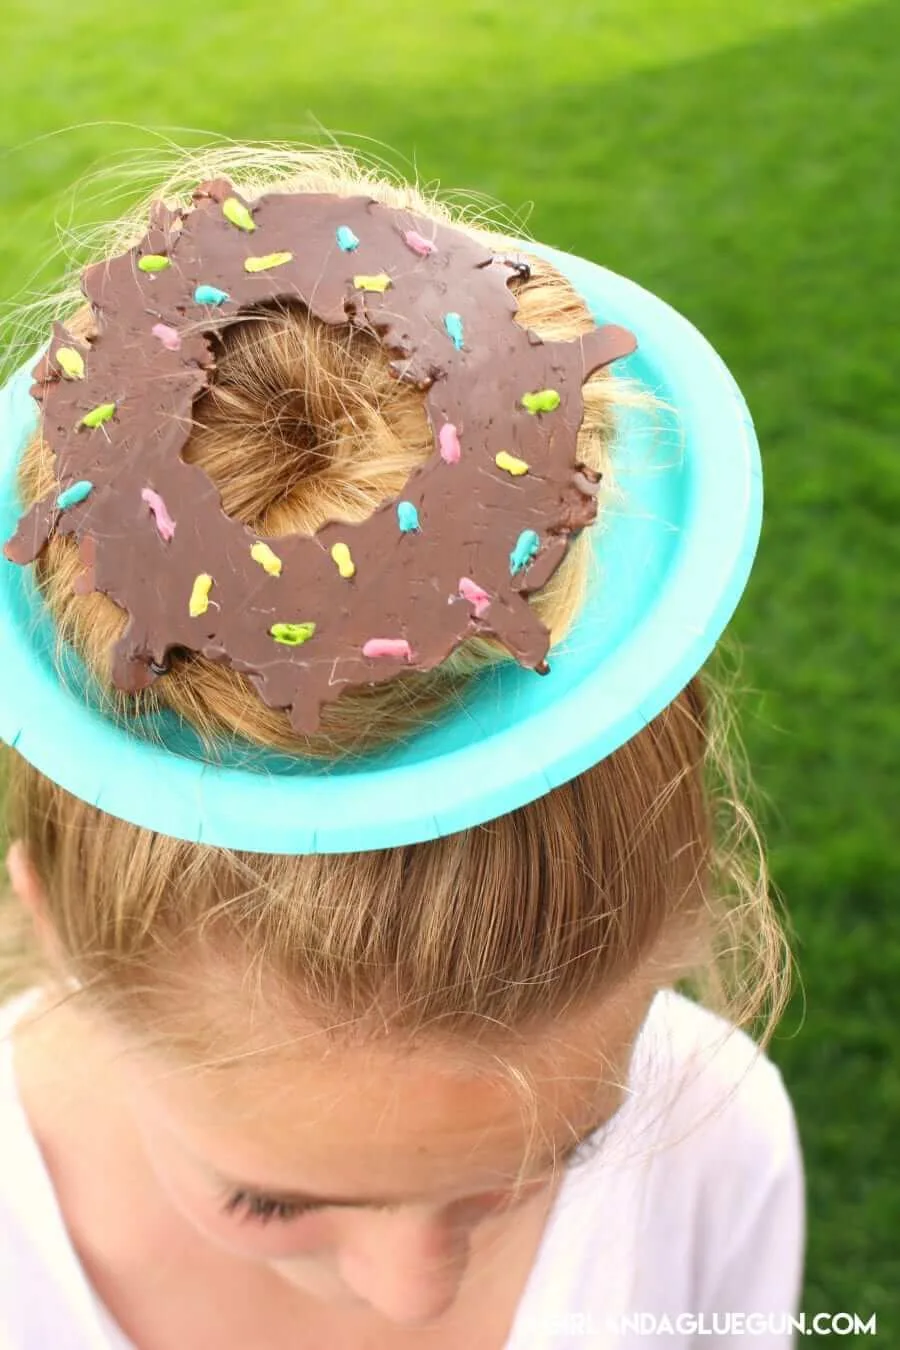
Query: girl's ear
[23, 877]
[27, 887]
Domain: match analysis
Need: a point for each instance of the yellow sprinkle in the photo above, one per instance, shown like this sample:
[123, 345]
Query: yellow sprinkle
[341, 555]
[511, 464]
[70, 363]
[238, 214]
[376, 283]
[262, 554]
[266, 260]
[200, 595]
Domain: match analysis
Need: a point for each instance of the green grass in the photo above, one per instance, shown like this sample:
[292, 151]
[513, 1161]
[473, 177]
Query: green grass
[740, 160]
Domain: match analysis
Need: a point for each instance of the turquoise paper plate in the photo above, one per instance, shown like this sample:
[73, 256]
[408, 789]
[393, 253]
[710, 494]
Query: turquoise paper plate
[672, 558]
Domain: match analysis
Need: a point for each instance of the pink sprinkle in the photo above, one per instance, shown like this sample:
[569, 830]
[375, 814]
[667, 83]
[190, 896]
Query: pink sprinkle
[388, 647]
[479, 598]
[449, 442]
[419, 245]
[164, 522]
[169, 337]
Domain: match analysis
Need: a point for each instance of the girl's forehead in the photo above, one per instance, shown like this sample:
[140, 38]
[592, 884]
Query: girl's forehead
[315, 1098]
[260, 1045]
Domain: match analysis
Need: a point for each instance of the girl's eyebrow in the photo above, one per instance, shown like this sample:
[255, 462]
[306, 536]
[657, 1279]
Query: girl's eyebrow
[301, 1198]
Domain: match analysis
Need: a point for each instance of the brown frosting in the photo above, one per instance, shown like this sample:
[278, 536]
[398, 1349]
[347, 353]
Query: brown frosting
[406, 584]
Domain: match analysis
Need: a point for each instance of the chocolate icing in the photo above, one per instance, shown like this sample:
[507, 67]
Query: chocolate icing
[406, 583]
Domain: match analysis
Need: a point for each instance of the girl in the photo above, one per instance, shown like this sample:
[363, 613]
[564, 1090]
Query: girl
[433, 1093]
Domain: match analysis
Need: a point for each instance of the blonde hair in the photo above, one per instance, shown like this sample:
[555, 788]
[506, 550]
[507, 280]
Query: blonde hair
[490, 931]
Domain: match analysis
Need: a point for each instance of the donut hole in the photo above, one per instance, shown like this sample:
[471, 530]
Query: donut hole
[304, 422]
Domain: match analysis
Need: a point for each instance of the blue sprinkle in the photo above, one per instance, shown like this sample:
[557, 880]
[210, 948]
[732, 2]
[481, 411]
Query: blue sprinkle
[74, 494]
[454, 326]
[347, 240]
[408, 516]
[210, 295]
[526, 547]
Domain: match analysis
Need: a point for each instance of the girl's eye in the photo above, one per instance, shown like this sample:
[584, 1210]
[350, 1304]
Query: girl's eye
[264, 1208]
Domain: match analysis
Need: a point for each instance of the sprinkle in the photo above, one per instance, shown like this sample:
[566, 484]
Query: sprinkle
[169, 337]
[347, 240]
[478, 597]
[102, 413]
[210, 295]
[380, 282]
[262, 554]
[200, 595]
[71, 363]
[454, 326]
[526, 547]
[388, 647]
[154, 262]
[415, 241]
[292, 634]
[512, 465]
[74, 494]
[545, 400]
[164, 522]
[266, 260]
[341, 555]
[449, 443]
[238, 214]
[407, 516]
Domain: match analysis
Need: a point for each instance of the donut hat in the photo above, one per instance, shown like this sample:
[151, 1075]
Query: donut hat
[484, 521]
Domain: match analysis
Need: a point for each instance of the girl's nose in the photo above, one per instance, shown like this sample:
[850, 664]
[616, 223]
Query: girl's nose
[407, 1265]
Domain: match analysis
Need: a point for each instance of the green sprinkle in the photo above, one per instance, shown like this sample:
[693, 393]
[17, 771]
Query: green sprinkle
[97, 416]
[544, 400]
[74, 494]
[526, 547]
[154, 262]
[238, 214]
[292, 634]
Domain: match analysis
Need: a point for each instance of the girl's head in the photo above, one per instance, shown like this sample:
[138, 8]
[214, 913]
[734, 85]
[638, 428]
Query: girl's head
[431, 1027]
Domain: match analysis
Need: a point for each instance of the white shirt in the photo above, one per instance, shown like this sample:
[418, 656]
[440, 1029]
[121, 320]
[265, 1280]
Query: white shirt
[692, 1206]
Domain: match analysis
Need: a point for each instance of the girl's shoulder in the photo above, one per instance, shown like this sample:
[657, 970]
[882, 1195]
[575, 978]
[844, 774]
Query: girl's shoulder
[45, 1297]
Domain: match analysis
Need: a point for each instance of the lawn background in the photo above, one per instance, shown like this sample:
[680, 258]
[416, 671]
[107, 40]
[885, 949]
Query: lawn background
[740, 160]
